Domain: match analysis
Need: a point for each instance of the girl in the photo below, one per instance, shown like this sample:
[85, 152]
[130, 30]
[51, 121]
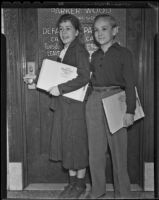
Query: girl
[69, 133]
[112, 71]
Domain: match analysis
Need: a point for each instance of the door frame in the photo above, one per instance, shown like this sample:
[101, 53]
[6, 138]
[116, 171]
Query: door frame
[23, 46]
[144, 154]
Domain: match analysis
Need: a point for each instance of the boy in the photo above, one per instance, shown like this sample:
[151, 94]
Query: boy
[112, 71]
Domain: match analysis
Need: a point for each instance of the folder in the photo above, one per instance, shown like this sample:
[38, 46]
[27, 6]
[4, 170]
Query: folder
[115, 109]
[53, 73]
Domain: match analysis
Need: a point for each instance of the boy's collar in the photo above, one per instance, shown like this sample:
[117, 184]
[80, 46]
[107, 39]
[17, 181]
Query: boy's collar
[114, 45]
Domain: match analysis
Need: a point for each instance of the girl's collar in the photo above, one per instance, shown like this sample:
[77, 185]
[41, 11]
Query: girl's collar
[74, 42]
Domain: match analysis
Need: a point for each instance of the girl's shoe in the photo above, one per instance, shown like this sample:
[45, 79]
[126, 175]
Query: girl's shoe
[77, 191]
[67, 191]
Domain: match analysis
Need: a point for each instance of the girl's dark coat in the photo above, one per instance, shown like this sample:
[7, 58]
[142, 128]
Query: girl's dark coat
[69, 134]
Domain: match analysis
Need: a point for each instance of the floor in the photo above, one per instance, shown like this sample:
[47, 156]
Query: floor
[47, 195]
[51, 191]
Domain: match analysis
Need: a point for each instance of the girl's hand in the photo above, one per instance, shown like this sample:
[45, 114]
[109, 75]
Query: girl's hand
[28, 81]
[128, 120]
[54, 91]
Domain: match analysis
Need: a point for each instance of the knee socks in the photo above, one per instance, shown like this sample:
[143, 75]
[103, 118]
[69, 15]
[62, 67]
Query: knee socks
[72, 179]
[81, 182]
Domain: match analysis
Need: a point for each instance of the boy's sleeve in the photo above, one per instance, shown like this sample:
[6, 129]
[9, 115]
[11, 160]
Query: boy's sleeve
[129, 78]
[83, 71]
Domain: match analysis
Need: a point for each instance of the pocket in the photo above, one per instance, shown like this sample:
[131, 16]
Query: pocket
[53, 103]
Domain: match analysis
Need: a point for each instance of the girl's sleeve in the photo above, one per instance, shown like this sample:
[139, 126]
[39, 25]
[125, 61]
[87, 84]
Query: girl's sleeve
[83, 71]
[128, 74]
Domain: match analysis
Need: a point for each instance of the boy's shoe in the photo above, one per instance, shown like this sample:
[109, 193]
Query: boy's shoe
[67, 190]
[125, 196]
[91, 196]
[77, 191]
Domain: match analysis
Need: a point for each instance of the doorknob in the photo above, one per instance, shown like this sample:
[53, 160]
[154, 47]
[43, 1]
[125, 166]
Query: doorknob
[30, 76]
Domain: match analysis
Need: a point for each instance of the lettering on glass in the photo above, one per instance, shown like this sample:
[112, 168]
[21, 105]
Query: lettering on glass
[48, 33]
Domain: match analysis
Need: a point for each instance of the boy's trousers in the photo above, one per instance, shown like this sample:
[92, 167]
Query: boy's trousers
[99, 137]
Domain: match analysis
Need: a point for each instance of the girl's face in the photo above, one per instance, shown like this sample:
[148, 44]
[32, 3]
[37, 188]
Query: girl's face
[104, 32]
[67, 32]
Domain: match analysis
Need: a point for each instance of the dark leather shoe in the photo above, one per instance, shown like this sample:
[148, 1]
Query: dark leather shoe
[123, 196]
[91, 196]
[77, 191]
[66, 192]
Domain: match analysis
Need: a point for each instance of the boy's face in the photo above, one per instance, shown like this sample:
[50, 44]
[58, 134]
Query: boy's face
[103, 31]
[67, 32]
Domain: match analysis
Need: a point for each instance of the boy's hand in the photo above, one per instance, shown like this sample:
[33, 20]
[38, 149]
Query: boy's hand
[128, 120]
[54, 91]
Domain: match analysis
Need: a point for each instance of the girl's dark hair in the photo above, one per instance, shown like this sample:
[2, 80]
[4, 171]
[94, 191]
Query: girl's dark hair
[74, 21]
[110, 18]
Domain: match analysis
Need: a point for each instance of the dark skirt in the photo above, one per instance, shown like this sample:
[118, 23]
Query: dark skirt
[69, 141]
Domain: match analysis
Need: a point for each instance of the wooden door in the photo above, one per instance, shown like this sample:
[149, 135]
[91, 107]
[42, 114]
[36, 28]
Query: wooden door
[41, 42]
[36, 123]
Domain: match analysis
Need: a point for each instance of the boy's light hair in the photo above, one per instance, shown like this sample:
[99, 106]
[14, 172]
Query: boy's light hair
[110, 18]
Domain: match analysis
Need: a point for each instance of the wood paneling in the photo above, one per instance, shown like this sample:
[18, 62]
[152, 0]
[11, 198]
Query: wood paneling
[133, 42]
[156, 122]
[31, 96]
[14, 82]
[3, 118]
[148, 77]
[140, 39]
[32, 112]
